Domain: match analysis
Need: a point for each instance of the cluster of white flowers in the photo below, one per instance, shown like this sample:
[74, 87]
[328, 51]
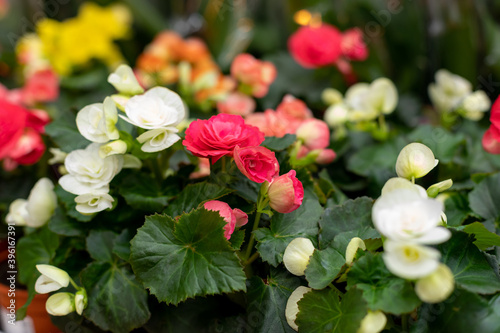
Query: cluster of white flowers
[362, 102]
[410, 219]
[452, 93]
[59, 304]
[89, 171]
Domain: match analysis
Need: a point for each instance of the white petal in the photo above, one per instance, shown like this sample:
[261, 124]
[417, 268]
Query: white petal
[297, 254]
[158, 139]
[42, 202]
[410, 261]
[292, 308]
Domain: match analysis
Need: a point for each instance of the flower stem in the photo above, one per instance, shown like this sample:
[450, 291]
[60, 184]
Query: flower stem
[404, 322]
[74, 284]
[335, 288]
[251, 259]
[252, 237]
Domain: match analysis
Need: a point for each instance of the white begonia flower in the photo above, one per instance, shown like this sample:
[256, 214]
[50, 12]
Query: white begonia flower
[383, 95]
[448, 91]
[410, 260]
[124, 80]
[475, 105]
[297, 254]
[373, 322]
[41, 203]
[60, 304]
[158, 139]
[117, 147]
[435, 189]
[292, 307]
[405, 215]
[368, 101]
[331, 96]
[88, 172]
[437, 286]
[18, 214]
[52, 279]
[58, 156]
[80, 301]
[354, 244]
[415, 160]
[159, 110]
[97, 122]
[120, 101]
[398, 183]
[336, 115]
[94, 202]
[131, 162]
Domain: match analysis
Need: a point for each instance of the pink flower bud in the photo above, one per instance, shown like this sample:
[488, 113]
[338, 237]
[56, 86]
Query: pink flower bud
[286, 193]
[352, 45]
[255, 73]
[294, 110]
[257, 163]
[325, 156]
[237, 103]
[233, 217]
[314, 133]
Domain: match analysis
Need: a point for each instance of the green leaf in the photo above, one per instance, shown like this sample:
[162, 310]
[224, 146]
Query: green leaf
[61, 224]
[381, 289]
[188, 258]
[443, 143]
[323, 267]
[122, 244]
[303, 222]
[457, 209]
[100, 245]
[194, 195]
[279, 144]
[321, 311]
[468, 264]
[65, 134]
[144, 193]
[69, 203]
[267, 301]
[371, 159]
[116, 301]
[462, 312]
[39, 247]
[352, 215]
[484, 199]
[333, 194]
[342, 240]
[237, 239]
[484, 237]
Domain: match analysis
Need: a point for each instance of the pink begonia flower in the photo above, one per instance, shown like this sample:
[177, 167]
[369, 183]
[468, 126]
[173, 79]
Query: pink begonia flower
[12, 122]
[237, 103]
[286, 193]
[314, 47]
[233, 217]
[203, 169]
[255, 73]
[259, 164]
[491, 138]
[41, 86]
[271, 123]
[219, 135]
[28, 149]
[314, 133]
[294, 110]
[353, 47]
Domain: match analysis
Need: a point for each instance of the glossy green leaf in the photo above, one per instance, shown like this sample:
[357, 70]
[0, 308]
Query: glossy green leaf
[303, 222]
[352, 215]
[187, 258]
[116, 301]
[267, 301]
[322, 311]
[144, 193]
[69, 203]
[484, 237]
[468, 264]
[323, 267]
[484, 199]
[279, 144]
[381, 289]
[443, 143]
[100, 245]
[194, 195]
